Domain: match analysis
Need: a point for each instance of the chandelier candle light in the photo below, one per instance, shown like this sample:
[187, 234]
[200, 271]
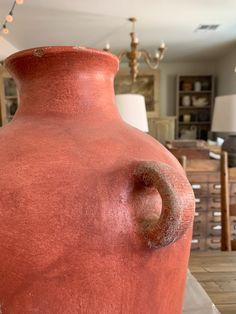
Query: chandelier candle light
[134, 55]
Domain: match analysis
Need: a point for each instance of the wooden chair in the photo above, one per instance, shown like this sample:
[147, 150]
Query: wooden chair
[183, 161]
[228, 203]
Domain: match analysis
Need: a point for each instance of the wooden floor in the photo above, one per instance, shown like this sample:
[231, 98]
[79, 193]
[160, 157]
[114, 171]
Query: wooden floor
[216, 272]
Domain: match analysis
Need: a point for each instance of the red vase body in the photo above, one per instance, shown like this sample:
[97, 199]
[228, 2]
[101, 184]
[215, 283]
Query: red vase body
[95, 216]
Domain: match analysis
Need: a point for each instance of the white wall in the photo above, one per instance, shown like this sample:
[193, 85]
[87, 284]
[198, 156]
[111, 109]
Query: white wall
[168, 72]
[6, 48]
[225, 73]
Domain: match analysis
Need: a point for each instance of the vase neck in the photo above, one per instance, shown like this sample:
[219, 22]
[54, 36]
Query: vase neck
[77, 84]
[79, 95]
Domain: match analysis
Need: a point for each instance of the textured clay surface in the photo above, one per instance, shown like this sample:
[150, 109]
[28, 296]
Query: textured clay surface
[95, 216]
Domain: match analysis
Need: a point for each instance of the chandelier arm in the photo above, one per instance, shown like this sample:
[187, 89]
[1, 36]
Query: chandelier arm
[152, 62]
[122, 54]
[134, 54]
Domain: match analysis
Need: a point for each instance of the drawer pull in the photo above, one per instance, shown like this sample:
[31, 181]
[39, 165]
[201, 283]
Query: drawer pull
[215, 241]
[216, 214]
[195, 241]
[197, 200]
[218, 227]
[217, 186]
[196, 186]
[196, 214]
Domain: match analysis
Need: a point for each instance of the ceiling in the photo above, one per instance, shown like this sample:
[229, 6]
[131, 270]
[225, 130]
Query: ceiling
[92, 23]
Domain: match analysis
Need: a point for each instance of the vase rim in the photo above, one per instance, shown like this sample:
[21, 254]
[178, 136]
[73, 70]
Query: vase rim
[47, 50]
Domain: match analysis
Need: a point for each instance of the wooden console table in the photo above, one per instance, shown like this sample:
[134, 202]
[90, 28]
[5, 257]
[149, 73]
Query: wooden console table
[216, 272]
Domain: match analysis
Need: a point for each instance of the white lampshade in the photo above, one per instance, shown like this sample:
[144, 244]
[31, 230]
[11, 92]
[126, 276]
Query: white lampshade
[224, 117]
[133, 111]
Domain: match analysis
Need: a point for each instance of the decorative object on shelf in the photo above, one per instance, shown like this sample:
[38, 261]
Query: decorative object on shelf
[197, 86]
[199, 101]
[224, 121]
[186, 86]
[186, 101]
[132, 109]
[186, 118]
[189, 134]
[206, 85]
[9, 17]
[87, 200]
[196, 103]
[134, 55]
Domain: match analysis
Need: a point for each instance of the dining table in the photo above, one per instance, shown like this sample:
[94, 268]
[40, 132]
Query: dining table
[216, 273]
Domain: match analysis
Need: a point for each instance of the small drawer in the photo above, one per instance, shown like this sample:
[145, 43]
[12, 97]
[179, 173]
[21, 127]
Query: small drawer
[198, 244]
[201, 203]
[214, 215]
[199, 225]
[233, 220]
[233, 200]
[214, 188]
[233, 226]
[200, 188]
[199, 229]
[214, 229]
[200, 216]
[233, 189]
[214, 202]
[213, 243]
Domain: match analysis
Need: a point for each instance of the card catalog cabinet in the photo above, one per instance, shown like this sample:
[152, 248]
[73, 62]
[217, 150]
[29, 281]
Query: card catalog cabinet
[207, 221]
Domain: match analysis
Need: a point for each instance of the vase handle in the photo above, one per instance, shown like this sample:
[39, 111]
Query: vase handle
[177, 203]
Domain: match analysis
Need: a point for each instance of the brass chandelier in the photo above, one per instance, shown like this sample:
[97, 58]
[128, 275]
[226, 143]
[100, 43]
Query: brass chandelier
[134, 55]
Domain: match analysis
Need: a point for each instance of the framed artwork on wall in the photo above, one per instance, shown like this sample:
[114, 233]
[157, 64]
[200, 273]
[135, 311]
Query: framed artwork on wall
[147, 84]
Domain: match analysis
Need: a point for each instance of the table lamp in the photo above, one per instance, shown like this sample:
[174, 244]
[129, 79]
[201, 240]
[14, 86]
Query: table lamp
[224, 121]
[133, 110]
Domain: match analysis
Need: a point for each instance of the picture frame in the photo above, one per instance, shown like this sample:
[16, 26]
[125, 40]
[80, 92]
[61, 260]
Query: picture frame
[147, 84]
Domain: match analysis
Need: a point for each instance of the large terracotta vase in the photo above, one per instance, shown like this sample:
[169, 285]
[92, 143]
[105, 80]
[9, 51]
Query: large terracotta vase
[95, 216]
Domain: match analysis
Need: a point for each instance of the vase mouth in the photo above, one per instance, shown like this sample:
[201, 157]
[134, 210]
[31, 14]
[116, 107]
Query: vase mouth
[52, 50]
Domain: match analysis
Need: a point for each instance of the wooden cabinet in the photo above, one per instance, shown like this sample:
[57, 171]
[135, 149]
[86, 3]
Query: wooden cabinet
[204, 177]
[232, 200]
[162, 128]
[194, 106]
[8, 97]
[207, 221]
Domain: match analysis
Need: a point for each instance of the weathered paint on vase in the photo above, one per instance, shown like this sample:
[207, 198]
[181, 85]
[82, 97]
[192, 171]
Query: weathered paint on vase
[83, 228]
